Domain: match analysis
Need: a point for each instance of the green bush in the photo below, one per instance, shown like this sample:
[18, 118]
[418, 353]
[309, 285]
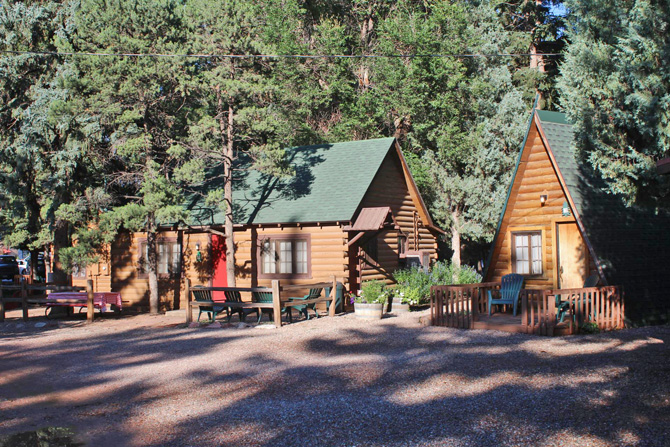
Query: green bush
[372, 292]
[414, 284]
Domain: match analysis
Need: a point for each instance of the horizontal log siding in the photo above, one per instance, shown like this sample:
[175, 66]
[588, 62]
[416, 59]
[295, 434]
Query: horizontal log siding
[328, 253]
[389, 188]
[534, 177]
[125, 255]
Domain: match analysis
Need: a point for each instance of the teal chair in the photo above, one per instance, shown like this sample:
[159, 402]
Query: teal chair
[339, 296]
[563, 306]
[206, 295]
[312, 295]
[266, 297]
[510, 288]
[233, 296]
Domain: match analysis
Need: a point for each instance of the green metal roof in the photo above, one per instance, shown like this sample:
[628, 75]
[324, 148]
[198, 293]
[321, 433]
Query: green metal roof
[329, 184]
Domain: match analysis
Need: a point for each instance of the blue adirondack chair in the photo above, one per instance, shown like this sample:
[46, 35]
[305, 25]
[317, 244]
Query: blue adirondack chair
[206, 295]
[313, 294]
[266, 297]
[510, 287]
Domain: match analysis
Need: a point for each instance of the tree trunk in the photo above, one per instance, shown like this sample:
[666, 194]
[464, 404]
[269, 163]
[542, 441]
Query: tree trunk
[61, 240]
[228, 195]
[152, 264]
[456, 239]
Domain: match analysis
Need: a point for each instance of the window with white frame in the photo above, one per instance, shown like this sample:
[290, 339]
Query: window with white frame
[168, 257]
[284, 257]
[527, 252]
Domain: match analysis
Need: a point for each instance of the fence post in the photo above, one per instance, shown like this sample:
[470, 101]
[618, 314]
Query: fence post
[276, 302]
[24, 299]
[432, 306]
[524, 311]
[333, 302]
[2, 305]
[551, 305]
[189, 309]
[90, 309]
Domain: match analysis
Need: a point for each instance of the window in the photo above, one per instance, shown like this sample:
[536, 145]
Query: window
[527, 253]
[78, 272]
[369, 252]
[169, 255]
[284, 257]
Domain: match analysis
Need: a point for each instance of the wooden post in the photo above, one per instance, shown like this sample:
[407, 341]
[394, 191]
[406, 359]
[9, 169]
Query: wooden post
[2, 305]
[276, 303]
[551, 304]
[333, 295]
[90, 309]
[24, 299]
[189, 309]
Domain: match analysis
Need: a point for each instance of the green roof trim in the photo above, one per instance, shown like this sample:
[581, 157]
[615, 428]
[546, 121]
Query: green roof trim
[328, 186]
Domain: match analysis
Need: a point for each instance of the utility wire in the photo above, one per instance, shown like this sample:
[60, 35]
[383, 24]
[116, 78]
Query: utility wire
[275, 56]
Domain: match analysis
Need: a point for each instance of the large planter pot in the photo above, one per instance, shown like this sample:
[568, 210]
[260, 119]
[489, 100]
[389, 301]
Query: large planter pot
[396, 307]
[369, 311]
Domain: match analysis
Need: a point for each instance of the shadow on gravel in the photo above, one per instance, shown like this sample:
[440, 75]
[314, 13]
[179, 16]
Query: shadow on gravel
[382, 384]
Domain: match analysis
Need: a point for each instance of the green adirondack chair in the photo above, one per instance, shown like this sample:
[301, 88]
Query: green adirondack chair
[206, 295]
[510, 288]
[233, 296]
[266, 297]
[563, 306]
[313, 294]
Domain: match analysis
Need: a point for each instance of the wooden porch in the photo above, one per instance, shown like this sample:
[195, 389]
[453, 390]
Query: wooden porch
[466, 307]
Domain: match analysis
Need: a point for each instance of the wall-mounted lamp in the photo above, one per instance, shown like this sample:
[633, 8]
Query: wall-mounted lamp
[543, 199]
[198, 254]
[565, 211]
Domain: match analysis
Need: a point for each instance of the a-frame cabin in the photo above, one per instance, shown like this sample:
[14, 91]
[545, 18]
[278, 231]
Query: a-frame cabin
[558, 227]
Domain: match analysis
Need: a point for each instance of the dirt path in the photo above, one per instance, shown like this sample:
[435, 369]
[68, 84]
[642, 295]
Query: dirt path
[146, 381]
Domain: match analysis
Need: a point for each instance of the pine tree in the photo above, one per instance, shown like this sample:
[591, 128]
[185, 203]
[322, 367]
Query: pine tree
[615, 88]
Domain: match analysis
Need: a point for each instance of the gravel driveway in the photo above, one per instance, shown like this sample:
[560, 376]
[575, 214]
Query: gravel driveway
[149, 381]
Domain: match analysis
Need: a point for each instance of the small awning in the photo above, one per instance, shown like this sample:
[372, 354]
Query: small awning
[373, 219]
[663, 166]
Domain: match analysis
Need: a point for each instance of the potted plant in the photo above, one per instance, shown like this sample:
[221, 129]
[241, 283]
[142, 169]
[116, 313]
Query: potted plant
[369, 305]
[400, 302]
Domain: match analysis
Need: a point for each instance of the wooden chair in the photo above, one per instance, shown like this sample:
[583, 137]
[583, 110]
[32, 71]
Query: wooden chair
[510, 288]
[313, 294]
[266, 297]
[233, 296]
[206, 295]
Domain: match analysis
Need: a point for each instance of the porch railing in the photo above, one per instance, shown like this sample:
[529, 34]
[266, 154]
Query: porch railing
[461, 306]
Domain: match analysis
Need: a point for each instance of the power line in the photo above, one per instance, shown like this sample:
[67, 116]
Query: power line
[277, 56]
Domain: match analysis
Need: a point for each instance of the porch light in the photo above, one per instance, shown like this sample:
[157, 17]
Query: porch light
[566, 209]
[198, 254]
[543, 199]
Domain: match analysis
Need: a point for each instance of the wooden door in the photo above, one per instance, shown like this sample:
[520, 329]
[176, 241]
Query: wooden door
[219, 273]
[573, 257]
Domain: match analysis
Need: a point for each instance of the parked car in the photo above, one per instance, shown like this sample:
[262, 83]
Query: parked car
[24, 267]
[9, 268]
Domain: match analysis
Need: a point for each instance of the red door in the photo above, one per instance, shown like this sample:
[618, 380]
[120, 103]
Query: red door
[219, 275]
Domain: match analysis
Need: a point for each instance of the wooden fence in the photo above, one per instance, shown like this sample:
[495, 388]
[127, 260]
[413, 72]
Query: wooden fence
[30, 294]
[463, 306]
[277, 303]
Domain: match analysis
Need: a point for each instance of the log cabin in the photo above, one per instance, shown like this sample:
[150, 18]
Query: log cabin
[351, 210]
[558, 227]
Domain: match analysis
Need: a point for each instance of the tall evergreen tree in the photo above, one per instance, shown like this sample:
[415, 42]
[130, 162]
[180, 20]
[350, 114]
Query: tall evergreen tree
[615, 88]
[141, 104]
[44, 149]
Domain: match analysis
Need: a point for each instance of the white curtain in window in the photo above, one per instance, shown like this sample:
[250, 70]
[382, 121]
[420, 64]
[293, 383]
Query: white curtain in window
[536, 253]
[285, 257]
[301, 256]
[269, 265]
[521, 244]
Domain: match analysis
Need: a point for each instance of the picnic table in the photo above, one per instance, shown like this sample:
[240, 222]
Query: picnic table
[103, 301]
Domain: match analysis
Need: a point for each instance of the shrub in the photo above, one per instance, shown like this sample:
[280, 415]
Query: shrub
[372, 292]
[414, 284]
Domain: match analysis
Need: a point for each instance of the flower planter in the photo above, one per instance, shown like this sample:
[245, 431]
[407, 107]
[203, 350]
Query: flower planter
[366, 311]
[396, 307]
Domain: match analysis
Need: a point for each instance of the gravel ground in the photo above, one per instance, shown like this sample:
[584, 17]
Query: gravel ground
[150, 381]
